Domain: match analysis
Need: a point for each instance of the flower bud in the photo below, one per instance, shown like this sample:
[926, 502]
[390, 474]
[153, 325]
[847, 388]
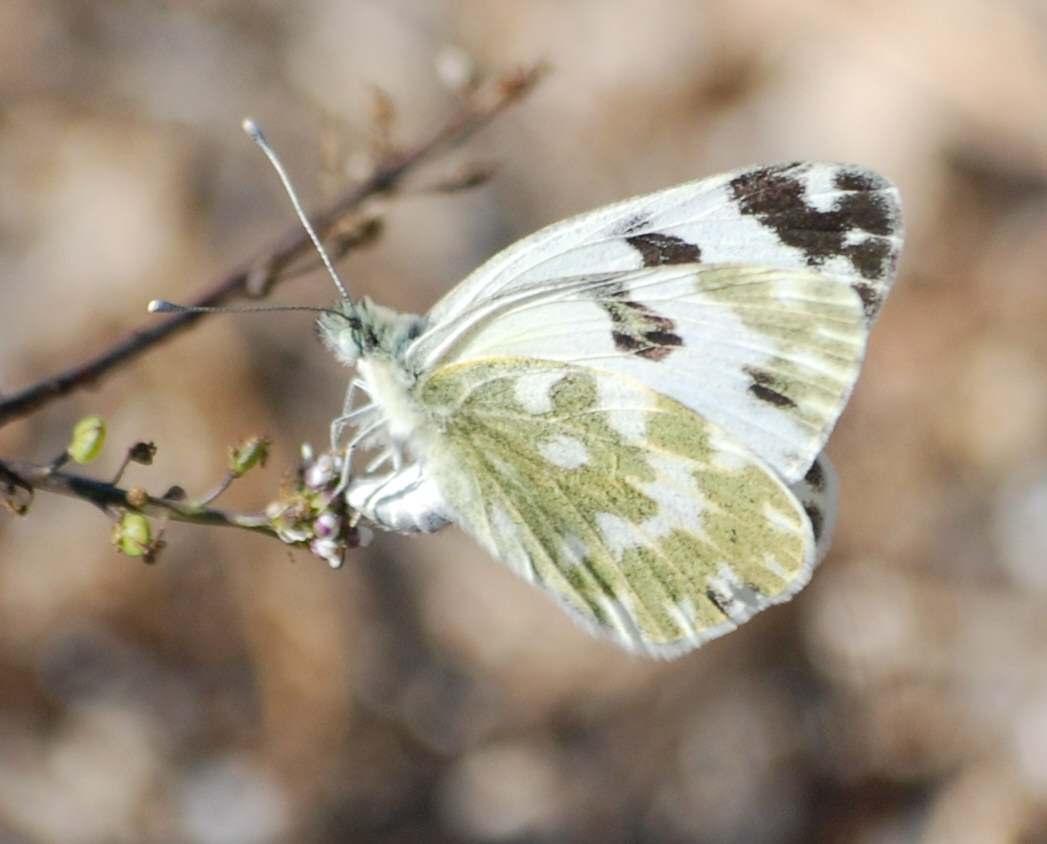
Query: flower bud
[88, 439]
[133, 535]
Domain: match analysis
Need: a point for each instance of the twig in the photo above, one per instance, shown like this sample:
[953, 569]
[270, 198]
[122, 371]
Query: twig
[109, 498]
[474, 113]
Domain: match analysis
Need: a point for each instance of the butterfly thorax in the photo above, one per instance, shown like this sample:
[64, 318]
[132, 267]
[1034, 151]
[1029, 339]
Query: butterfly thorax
[390, 387]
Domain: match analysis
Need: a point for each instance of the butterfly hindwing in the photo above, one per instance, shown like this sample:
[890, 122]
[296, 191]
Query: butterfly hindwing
[643, 519]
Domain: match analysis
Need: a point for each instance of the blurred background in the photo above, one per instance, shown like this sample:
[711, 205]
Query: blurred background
[237, 692]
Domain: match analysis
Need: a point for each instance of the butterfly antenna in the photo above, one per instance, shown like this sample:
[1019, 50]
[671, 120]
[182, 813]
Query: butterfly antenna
[251, 128]
[162, 306]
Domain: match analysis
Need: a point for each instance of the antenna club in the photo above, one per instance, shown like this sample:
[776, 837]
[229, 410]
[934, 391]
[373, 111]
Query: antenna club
[160, 306]
[251, 128]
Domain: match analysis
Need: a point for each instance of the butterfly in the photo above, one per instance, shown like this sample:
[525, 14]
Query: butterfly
[628, 408]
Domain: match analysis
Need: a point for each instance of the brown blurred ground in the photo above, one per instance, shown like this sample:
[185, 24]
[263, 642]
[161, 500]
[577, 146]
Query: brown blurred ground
[235, 693]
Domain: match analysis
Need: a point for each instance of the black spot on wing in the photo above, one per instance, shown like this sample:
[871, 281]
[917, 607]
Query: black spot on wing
[644, 333]
[656, 249]
[632, 344]
[870, 296]
[721, 602]
[766, 388]
[638, 329]
[815, 476]
[764, 393]
[777, 197]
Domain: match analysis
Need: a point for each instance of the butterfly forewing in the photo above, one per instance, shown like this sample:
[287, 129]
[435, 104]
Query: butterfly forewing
[839, 220]
[769, 355]
[640, 517]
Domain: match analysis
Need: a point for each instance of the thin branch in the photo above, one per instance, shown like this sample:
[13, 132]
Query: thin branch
[478, 109]
[111, 498]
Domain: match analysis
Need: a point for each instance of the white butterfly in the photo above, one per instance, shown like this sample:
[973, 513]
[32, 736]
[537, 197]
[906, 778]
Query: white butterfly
[628, 407]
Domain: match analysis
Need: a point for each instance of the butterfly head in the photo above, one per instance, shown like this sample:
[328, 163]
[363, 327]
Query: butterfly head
[353, 330]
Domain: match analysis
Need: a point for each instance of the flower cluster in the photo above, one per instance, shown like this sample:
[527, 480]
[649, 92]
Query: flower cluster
[313, 512]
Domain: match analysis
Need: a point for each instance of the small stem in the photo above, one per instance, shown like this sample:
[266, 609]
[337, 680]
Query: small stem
[223, 485]
[108, 498]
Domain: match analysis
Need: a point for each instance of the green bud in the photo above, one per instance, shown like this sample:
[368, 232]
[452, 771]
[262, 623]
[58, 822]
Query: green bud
[248, 455]
[133, 535]
[88, 439]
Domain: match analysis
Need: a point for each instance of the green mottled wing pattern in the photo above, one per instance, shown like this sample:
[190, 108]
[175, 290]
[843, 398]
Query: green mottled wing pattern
[642, 518]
